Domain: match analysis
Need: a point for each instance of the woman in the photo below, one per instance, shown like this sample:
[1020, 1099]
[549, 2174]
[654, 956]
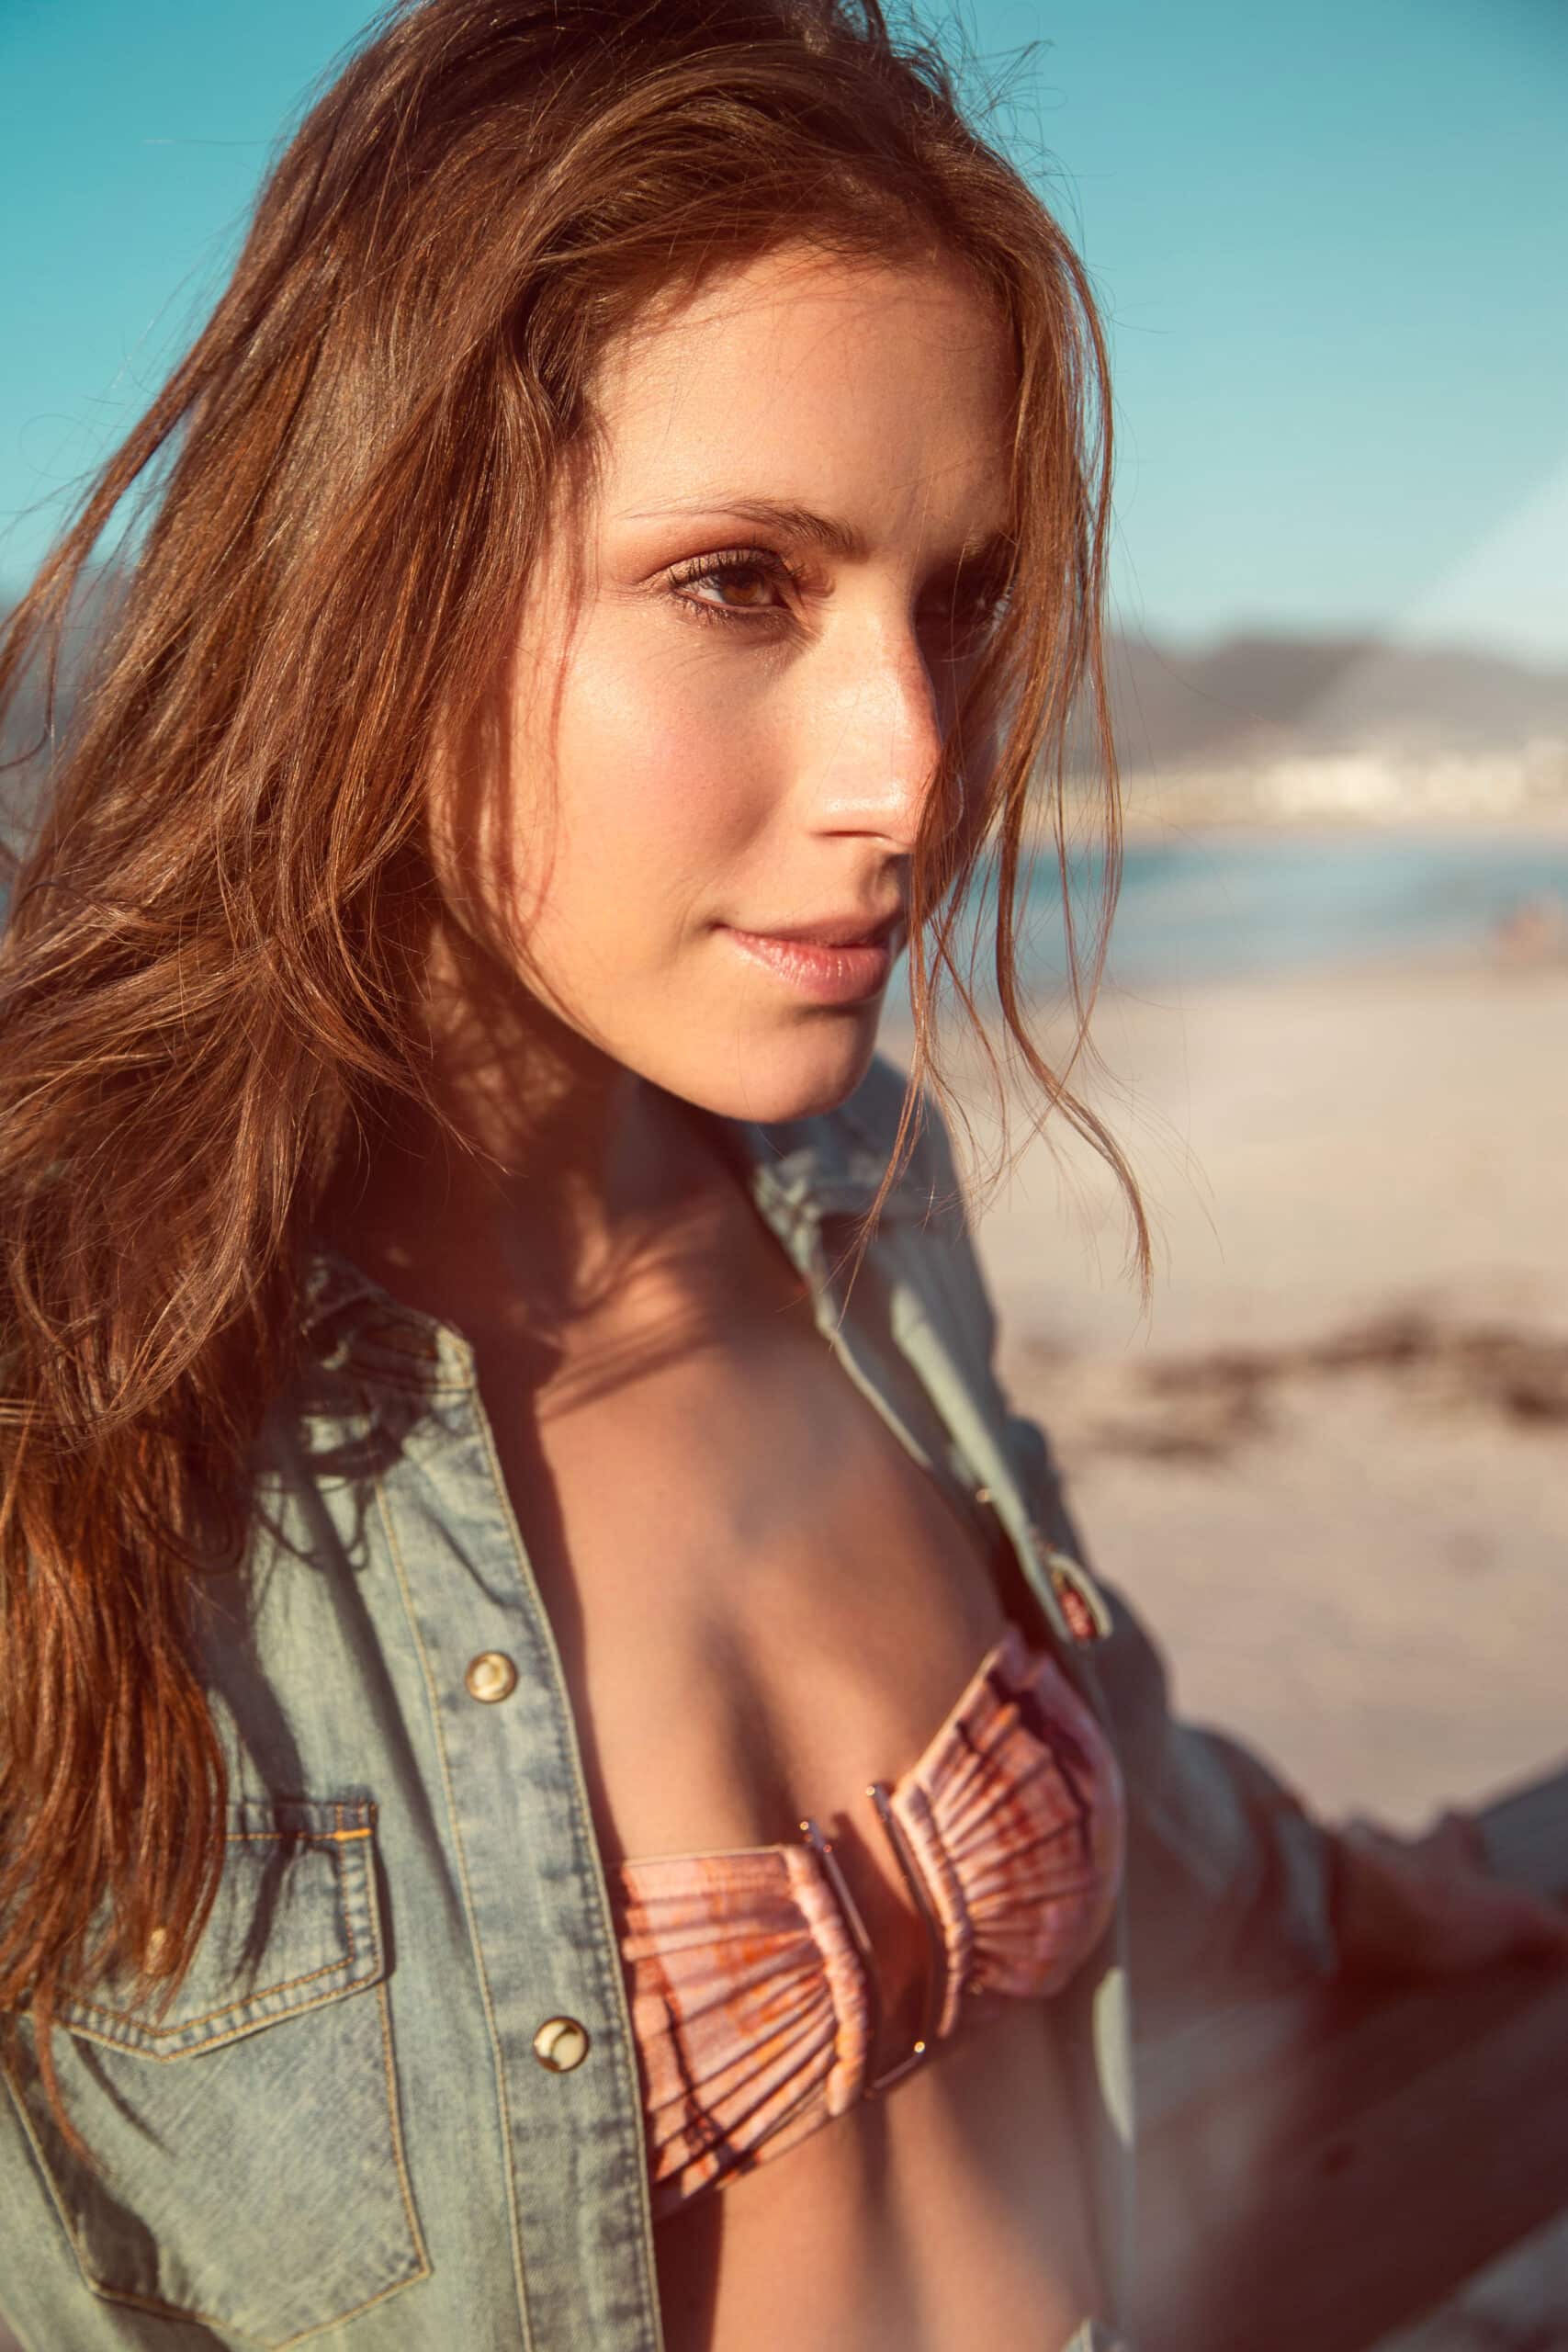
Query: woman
[565, 1782]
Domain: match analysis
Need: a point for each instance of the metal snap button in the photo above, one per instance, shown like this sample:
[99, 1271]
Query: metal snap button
[490, 1676]
[560, 2044]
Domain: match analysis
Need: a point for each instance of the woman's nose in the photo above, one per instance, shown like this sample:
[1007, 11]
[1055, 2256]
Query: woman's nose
[877, 739]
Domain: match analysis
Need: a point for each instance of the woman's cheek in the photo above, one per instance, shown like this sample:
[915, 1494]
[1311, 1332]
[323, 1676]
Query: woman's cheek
[680, 783]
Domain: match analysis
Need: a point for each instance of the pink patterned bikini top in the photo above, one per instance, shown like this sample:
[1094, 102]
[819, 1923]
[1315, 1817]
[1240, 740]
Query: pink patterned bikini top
[753, 1986]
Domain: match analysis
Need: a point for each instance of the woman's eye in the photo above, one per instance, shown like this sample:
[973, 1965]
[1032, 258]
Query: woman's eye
[745, 584]
[747, 579]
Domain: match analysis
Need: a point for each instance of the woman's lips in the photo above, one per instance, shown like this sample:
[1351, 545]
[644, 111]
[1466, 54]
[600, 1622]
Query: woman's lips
[839, 975]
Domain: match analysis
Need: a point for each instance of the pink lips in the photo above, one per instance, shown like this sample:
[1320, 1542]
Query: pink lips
[840, 968]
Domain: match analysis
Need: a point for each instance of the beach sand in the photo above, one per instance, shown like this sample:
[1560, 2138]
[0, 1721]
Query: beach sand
[1330, 1466]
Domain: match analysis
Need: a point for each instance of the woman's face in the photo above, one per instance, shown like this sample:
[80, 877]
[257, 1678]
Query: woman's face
[716, 768]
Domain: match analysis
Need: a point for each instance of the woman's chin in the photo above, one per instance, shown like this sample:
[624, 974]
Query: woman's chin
[797, 1078]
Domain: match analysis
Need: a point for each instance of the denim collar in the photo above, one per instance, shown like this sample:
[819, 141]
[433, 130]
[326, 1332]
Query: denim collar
[831, 1164]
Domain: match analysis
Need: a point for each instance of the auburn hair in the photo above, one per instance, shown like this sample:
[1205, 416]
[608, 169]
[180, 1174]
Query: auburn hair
[213, 943]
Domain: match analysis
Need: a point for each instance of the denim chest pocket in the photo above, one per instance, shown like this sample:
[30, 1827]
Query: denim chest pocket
[252, 2164]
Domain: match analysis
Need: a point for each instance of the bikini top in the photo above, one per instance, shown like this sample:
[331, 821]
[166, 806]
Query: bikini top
[753, 1986]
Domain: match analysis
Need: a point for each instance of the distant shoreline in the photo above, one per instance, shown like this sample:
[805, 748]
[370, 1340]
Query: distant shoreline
[1373, 787]
[1242, 900]
[1142, 824]
[1175, 809]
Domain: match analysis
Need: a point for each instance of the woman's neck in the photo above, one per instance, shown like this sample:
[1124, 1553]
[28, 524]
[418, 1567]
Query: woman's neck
[534, 1179]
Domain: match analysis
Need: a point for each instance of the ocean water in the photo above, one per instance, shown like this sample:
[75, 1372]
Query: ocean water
[1213, 907]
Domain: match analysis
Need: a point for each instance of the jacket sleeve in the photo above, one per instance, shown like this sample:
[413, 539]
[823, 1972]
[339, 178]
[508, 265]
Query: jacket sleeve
[1229, 1876]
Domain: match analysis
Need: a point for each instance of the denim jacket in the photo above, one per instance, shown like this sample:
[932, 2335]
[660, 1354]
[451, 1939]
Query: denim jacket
[394, 2106]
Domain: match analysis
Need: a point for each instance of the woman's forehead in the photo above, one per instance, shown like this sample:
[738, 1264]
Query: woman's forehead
[853, 392]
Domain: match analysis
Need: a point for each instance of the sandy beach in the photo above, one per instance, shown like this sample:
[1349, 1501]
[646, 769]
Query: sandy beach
[1328, 1465]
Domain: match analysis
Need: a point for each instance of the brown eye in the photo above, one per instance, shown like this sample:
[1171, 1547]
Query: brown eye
[739, 577]
[749, 578]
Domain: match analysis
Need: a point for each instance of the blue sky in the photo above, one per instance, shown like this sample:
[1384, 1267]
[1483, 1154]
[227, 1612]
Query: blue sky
[1332, 243]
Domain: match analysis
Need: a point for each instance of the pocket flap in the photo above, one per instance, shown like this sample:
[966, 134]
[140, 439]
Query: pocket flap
[296, 1922]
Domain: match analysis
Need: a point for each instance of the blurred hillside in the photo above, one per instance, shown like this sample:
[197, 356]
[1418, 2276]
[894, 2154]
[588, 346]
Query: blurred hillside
[1268, 731]
[1255, 697]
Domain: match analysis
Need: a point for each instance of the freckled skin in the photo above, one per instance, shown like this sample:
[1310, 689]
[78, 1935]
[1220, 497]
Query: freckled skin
[762, 1603]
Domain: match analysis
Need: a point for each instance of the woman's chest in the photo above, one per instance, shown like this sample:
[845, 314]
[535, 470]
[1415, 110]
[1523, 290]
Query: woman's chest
[761, 1598]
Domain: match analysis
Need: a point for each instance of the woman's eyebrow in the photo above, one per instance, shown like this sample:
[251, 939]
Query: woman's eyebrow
[826, 531]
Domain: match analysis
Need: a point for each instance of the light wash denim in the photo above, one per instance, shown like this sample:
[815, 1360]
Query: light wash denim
[340, 2132]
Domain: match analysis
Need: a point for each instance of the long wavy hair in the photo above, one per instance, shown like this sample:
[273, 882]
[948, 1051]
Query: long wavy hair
[213, 944]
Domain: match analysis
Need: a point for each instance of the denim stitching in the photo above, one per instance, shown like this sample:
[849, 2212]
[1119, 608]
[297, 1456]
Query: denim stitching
[210, 2319]
[312, 1836]
[151, 2302]
[286, 1985]
[633, 2129]
[401, 1572]
[394, 2121]
[237, 2032]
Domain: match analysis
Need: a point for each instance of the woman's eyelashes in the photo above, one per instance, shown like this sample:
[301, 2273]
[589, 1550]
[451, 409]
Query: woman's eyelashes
[728, 568]
[963, 615]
